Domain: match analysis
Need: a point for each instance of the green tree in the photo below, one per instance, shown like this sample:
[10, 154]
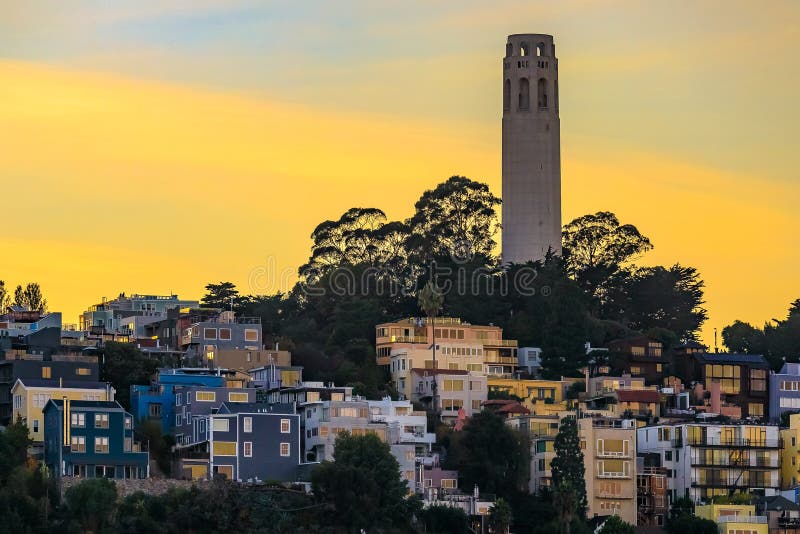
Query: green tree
[743, 337]
[567, 466]
[222, 296]
[125, 365]
[430, 301]
[361, 488]
[30, 297]
[5, 298]
[92, 505]
[596, 248]
[458, 218]
[615, 525]
[500, 516]
[440, 519]
[491, 455]
[566, 502]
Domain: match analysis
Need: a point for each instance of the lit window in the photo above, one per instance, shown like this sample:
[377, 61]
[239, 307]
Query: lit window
[285, 448]
[250, 335]
[225, 334]
[128, 444]
[128, 423]
[248, 424]
[46, 372]
[248, 448]
[101, 444]
[101, 420]
[78, 419]
[209, 333]
[220, 424]
[224, 448]
[237, 397]
[285, 426]
[206, 396]
[36, 426]
[78, 444]
[83, 371]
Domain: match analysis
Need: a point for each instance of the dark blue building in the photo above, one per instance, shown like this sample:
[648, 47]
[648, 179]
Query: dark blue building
[91, 439]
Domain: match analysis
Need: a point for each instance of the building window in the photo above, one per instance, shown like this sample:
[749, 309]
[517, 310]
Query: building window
[206, 396]
[476, 405]
[154, 410]
[448, 483]
[83, 371]
[209, 333]
[101, 420]
[250, 334]
[542, 92]
[248, 424]
[225, 334]
[758, 380]
[524, 94]
[728, 375]
[285, 449]
[755, 409]
[40, 399]
[178, 399]
[224, 448]
[78, 444]
[454, 385]
[220, 424]
[101, 444]
[248, 449]
[128, 444]
[46, 372]
[17, 402]
[237, 397]
[36, 426]
[178, 420]
[128, 423]
[79, 420]
[285, 426]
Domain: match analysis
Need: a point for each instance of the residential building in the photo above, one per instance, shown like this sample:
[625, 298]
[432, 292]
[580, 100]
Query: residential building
[743, 379]
[529, 361]
[408, 344]
[276, 377]
[643, 357]
[29, 330]
[455, 390]
[790, 453]
[541, 431]
[783, 515]
[637, 403]
[704, 460]
[784, 391]
[305, 392]
[206, 336]
[734, 518]
[598, 385]
[31, 395]
[248, 359]
[406, 425]
[156, 401]
[193, 405]
[21, 364]
[652, 501]
[433, 481]
[609, 452]
[541, 397]
[130, 314]
[91, 439]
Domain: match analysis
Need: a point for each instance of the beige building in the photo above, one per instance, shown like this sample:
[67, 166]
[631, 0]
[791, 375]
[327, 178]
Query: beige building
[456, 390]
[407, 344]
[31, 394]
[609, 457]
[531, 149]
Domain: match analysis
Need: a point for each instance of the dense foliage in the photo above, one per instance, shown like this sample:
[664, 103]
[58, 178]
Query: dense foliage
[778, 340]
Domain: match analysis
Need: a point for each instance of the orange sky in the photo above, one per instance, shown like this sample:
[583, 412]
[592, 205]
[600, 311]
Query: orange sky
[126, 170]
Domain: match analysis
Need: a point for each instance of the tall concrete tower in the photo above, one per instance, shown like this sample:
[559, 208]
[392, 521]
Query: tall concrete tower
[531, 149]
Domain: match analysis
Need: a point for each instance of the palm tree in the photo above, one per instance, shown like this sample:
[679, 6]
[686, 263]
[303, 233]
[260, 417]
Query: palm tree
[566, 504]
[430, 299]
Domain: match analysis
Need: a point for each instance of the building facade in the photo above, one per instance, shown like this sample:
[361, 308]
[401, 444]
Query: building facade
[784, 391]
[454, 391]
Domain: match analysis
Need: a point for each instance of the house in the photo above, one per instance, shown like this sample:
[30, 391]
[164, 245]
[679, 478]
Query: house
[609, 452]
[129, 315]
[22, 364]
[542, 397]
[541, 431]
[642, 356]
[734, 518]
[529, 360]
[91, 439]
[432, 481]
[784, 391]
[783, 515]
[276, 376]
[31, 395]
[408, 344]
[206, 337]
[637, 403]
[194, 404]
[743, 379]
[454, 390]
[704, 459]
[652, 501]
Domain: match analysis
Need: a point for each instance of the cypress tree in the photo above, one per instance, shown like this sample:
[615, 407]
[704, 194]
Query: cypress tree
[567, 466]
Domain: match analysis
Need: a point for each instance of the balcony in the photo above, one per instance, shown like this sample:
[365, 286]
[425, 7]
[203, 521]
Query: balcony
[735, 442]
[754, 519]
[789, 522]
[499, 342]
[612, 454]
[603, 494]
[613, 474]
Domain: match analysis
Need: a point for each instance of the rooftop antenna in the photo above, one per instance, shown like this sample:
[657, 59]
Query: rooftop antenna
[716, 349]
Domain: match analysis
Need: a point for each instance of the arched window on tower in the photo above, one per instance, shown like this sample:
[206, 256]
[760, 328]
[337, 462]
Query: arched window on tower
[507, 95]
[524, 93]
[540, 50]
[555, 94]
[524, 50]
[542, 85]
[509, 49]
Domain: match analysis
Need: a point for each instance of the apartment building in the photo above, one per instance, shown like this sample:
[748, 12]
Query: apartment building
[541, 397]
[541, 431]
[91, 439]
[652, 500]
[790, 453]
[19, 364]
[408, 344]
[609, 452]
[455, 390]
[784, 391]
[205, 337]
[32, 394]
[704, 460]
[130, 314]
[743, 379]
[194, 404]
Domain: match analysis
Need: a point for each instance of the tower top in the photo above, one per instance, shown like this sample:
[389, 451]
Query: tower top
[530, 44]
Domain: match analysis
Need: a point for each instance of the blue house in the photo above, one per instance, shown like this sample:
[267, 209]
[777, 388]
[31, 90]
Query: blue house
[157, 401]
[247, 442]
[784, 390]
[91, 439]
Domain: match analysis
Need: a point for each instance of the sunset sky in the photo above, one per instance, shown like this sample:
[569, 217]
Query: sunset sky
[153, 147]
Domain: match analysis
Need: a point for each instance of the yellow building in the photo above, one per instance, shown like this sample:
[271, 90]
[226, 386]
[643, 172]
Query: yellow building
[31, 394]
[541, 397]
[790, 453]
[734, 518]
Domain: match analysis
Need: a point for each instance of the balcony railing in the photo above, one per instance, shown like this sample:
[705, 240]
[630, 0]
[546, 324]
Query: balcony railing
[613, 454]
[613, 474]
[499, 342]
[407, 339]
[604, 494]
[734, 442]
[757, 519]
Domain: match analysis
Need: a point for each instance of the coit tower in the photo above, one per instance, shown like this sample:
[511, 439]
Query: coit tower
[531, 149]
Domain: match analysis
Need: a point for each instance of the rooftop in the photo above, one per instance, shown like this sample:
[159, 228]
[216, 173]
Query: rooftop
[638, 395]
[724, 357]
